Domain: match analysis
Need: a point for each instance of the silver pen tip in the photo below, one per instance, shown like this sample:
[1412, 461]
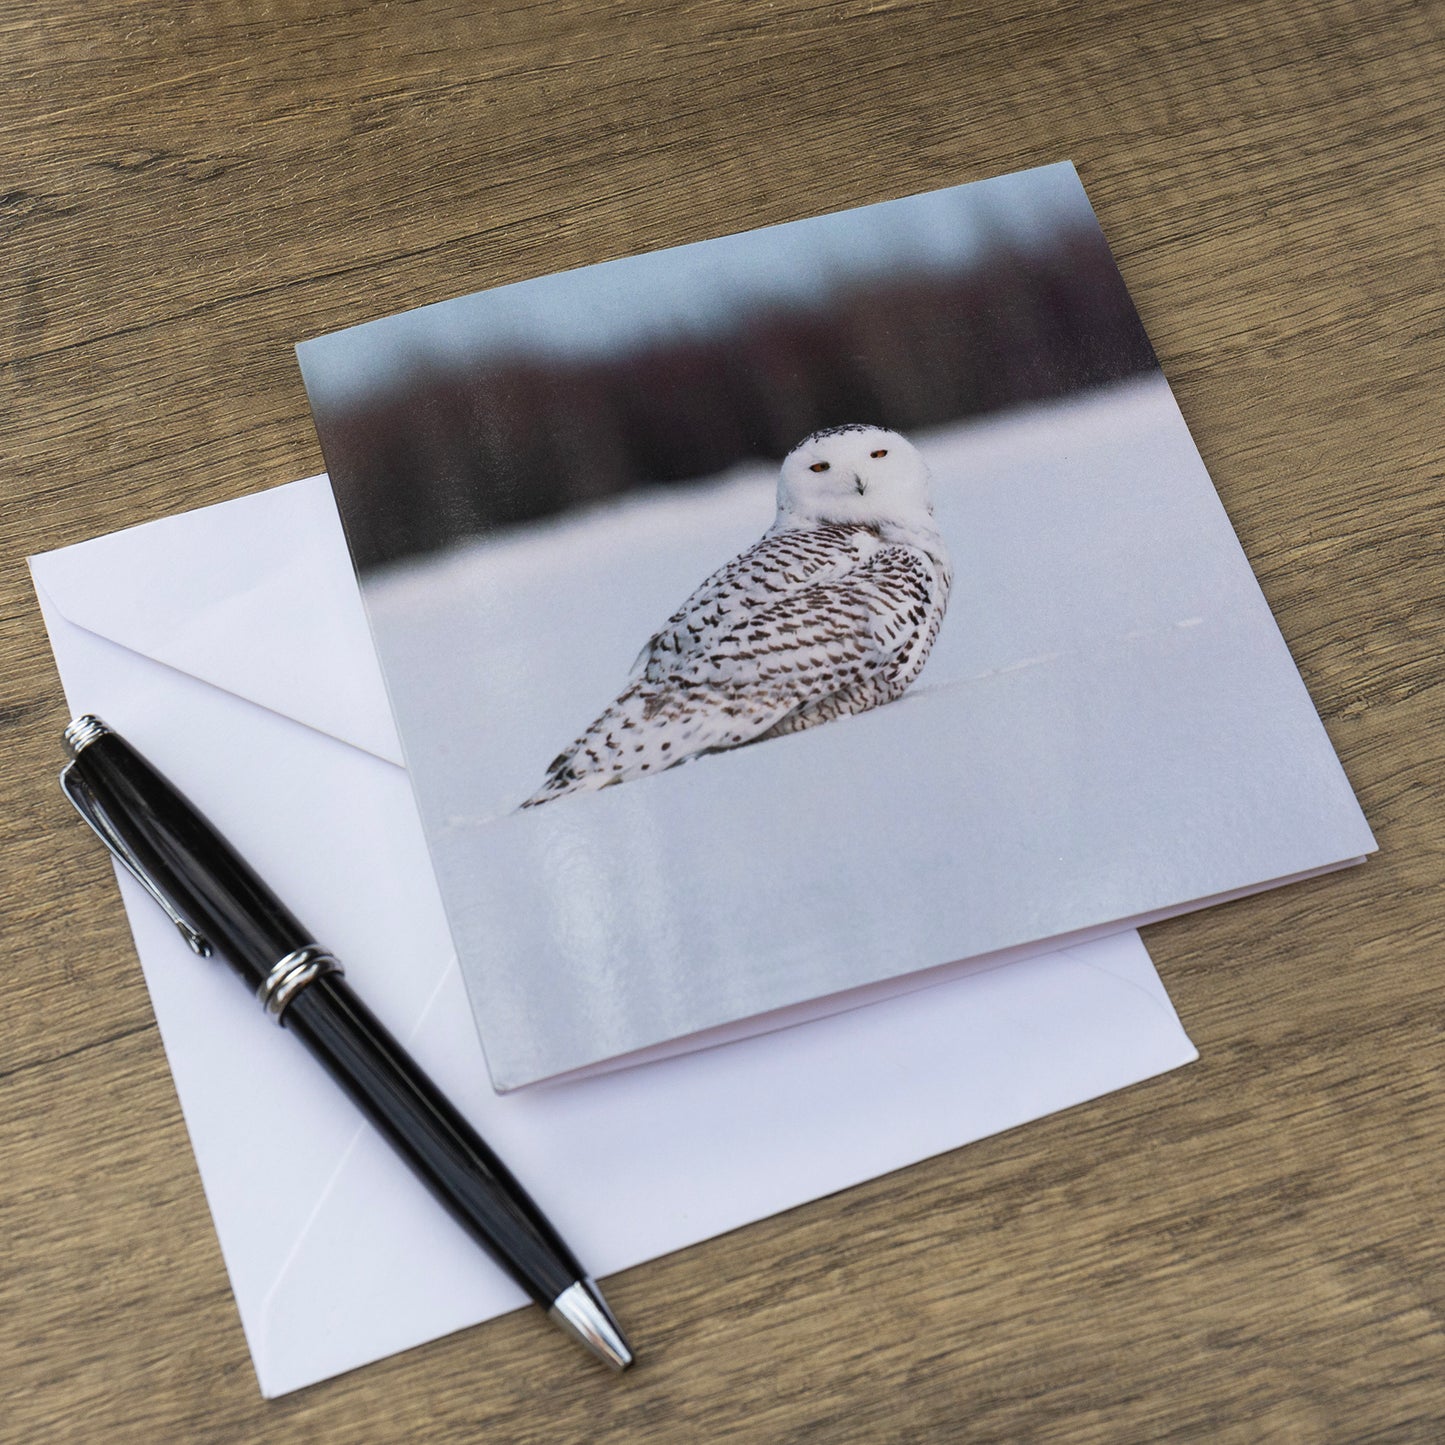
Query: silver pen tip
[582, 1312]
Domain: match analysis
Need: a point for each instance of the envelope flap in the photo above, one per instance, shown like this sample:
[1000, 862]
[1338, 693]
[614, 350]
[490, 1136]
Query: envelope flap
[241, 595]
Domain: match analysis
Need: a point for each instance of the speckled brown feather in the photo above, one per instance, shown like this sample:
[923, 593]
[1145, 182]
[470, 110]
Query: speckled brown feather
[805, 626]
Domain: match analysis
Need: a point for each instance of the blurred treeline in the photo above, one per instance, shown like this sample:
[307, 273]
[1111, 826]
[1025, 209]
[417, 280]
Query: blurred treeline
[452, 453]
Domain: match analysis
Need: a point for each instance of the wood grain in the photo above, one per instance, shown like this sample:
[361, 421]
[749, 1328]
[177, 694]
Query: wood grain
[1249, 1249]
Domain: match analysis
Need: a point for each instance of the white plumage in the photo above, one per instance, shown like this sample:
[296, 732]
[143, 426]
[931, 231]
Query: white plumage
[833, 611]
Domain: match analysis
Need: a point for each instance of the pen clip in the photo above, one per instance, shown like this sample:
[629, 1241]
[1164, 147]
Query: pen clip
[88, 806]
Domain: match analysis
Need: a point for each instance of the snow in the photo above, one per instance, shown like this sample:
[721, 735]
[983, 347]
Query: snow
[1109, 723]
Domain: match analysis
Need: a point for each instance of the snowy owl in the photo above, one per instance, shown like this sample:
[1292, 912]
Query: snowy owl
[833, 611]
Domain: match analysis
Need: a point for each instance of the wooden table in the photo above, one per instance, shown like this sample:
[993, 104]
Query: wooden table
[1249, 1249]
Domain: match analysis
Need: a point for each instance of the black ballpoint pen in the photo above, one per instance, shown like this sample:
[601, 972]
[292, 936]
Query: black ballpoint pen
[220, 905]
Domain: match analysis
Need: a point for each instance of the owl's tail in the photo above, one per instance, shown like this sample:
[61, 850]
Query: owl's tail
[650, 728]
[627, 741]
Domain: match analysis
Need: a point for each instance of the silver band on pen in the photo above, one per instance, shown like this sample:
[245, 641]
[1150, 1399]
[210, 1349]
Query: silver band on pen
[146, 822]
[291, 974]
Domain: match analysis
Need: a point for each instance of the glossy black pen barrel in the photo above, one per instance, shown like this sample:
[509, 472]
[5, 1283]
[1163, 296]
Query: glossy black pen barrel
[191, 864]
[441, 1147]
[221, 905]
[233, 909]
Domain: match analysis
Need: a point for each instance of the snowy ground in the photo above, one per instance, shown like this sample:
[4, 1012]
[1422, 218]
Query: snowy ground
[1109, 722]
[512, 647]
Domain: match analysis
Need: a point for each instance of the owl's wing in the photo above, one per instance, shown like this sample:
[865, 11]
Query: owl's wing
[817, 640]
[779, 565]
[767, 665]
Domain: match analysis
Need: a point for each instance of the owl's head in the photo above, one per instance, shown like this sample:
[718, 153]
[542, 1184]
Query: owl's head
[865, 475]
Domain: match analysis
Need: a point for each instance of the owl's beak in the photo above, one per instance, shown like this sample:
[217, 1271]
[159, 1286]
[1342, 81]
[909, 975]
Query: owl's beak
[860, 484]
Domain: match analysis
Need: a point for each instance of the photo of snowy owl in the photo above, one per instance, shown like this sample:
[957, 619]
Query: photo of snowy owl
[834, 611]
[931, 532]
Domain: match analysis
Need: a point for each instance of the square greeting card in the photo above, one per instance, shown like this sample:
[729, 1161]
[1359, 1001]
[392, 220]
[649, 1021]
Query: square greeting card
[789, 615]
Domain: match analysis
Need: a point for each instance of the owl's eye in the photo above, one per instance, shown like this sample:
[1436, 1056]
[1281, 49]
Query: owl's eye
[881, 452]
[819, 467]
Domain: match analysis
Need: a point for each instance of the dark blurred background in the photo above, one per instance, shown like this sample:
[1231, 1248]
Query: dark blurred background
[453, 448]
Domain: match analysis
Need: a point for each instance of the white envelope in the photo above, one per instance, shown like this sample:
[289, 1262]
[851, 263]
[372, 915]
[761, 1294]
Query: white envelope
[229, 644]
